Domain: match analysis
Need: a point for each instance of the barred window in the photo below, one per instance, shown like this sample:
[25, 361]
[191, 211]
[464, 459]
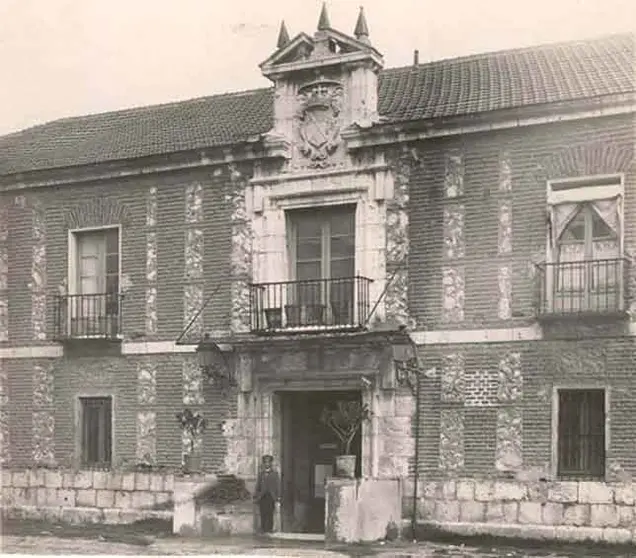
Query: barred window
[581, 433]
[96, 424]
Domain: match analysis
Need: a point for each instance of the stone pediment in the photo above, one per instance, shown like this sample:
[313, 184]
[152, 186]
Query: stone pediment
[327, 48]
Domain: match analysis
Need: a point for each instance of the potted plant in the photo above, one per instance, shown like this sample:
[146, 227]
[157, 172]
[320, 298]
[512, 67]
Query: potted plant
[193, 425]
[345, 419]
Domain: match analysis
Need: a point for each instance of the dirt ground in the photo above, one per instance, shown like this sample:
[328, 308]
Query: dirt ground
[155, 538]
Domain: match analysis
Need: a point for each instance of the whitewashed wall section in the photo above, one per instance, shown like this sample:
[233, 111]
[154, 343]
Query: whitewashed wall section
[504, 245]
[146, 413]
[398, 246]
[151, 262]
[192, 396]
[38, 273]
[43, 425]
[241, 251]
[453, 274]
[193, 272]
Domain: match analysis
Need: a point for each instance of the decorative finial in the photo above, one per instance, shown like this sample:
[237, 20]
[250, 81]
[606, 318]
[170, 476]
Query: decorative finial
[361, 31]
[323, 22]
[283, 36]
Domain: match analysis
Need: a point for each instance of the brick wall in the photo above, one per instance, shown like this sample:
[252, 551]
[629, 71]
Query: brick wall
[116, 376]
[463, 176]
[124, 201]
[475, 446]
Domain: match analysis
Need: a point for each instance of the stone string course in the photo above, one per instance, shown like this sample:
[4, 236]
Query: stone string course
[551, 509]
[87, 496]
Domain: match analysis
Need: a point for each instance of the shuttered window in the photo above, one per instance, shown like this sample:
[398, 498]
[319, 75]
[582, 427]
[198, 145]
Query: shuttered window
[96, 424]
[581, 442]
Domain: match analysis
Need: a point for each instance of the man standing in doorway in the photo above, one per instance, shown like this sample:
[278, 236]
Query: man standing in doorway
[267, 493]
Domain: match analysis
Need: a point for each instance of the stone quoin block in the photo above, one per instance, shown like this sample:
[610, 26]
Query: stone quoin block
[128, 481]
[83, 480]
[595, 493]
[156, 483]
[564, 492]
[426, 509]
[111, 516]
[105, 499]
[617, 536]
[114, 481]
[100, 480]
[447, 511]
[552, 513]
[484, 491]
[20, 479]
[576, 514]
[530, 513]
[604, 515]
[53, 479]
[449, 490]
[626, 516]
[41, 495]
[472, 512]
[624, 494]
[143, 499]
[86, 498]
[509, 491]
[466, 490]
[498, 512]
[142, 481]
[123, 500]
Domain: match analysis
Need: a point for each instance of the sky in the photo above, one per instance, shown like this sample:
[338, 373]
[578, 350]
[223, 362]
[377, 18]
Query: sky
[63, 58]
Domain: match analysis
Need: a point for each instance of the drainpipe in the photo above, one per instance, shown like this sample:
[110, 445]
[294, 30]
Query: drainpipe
[416, 459]
[417, 446]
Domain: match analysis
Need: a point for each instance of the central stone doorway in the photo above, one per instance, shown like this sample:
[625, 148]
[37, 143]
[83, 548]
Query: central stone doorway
[308, 455]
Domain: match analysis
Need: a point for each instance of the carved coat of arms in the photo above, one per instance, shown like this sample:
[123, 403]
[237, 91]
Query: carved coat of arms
[319, 122]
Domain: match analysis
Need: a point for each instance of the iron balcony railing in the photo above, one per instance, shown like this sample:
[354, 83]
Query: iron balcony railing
[583, 287]
[316, 304]
[96, 316]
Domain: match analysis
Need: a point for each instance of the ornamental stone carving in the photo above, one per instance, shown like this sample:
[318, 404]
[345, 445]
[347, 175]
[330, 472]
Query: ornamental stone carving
[320, 103]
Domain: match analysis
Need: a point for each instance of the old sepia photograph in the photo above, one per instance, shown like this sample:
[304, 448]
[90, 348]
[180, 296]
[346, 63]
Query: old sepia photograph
[318, 279]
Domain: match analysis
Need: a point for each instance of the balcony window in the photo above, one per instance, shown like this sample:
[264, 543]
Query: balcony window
[323, 290]
[585, 271]
[92, 306]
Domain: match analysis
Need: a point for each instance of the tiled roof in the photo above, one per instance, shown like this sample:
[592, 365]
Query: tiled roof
[445, 88]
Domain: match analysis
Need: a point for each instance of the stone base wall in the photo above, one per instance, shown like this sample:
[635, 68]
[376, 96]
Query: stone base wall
[87, 496]
[545, 510]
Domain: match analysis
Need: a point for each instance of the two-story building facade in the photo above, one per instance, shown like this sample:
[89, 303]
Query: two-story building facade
[304, 237]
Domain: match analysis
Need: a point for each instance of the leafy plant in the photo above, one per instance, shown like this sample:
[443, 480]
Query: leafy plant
[192, 423]
[345, 419]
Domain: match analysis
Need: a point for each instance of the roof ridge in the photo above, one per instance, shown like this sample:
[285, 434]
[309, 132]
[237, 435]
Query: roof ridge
[520, 50]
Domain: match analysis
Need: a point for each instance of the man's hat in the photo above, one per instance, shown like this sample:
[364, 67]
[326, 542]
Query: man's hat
[267, 458]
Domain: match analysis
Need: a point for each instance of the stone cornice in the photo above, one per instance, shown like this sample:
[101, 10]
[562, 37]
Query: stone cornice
[390, 133]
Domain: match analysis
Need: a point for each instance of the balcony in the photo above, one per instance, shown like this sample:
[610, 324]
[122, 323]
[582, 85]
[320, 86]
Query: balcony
[313, 305]
[88, 316]
[583, 288]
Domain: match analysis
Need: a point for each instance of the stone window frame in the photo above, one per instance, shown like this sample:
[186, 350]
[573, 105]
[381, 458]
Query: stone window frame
[326, 198]
[554, 450]
[73, 254]
[580, 190]
[78, 418]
